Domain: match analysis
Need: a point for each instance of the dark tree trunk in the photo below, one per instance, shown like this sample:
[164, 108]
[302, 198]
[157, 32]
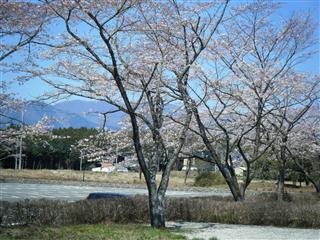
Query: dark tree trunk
[228, 173]
[280, 186]
[316, 184]
[243, 188]
[156, 210]
[236, 192]
[282, 168]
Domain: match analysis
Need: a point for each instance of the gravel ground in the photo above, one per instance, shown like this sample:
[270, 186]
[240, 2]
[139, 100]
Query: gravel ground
[244, 232]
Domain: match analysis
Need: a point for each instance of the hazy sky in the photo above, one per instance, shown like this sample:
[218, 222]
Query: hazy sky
[35, 88]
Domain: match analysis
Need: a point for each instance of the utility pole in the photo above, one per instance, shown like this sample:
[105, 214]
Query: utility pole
[16, 156]
[81, 156]
[81, 160]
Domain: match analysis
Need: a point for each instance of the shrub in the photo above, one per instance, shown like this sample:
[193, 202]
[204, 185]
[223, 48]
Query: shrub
[49, 212]
[208, 179]
[263, 209]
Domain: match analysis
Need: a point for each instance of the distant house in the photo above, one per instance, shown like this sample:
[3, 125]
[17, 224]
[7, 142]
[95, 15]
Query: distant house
[199, 162]
[240, 171]
[119, 159]
[104, 167]
[120, 164]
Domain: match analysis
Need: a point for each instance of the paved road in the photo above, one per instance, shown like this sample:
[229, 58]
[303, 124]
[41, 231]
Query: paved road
[244, 232]
[20, 191]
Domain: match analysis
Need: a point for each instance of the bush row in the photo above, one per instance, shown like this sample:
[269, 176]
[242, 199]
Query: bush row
[209, 179]
[260, 210]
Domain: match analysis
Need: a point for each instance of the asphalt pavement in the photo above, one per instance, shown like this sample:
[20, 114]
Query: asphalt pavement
[20, 191]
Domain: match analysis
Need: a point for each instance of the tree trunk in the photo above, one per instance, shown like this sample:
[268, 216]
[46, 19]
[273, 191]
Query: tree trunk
[232, 182]
[282, 167]
[156, 209]
[228, 174]
[236, 192]
[243, 189]
[280, 187]
[316, 184]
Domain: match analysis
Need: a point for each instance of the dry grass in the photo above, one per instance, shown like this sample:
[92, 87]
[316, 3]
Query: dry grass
[270, 186]
[176, 178]
[301, 210]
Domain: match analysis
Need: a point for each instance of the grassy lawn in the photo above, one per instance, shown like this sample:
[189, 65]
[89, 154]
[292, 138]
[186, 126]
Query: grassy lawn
[176, 179]
[85, 232]
[270, 186]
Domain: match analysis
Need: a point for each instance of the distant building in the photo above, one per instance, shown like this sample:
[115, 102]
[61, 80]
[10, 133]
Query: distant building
[120, 164]
[240, 171]
[199, 162]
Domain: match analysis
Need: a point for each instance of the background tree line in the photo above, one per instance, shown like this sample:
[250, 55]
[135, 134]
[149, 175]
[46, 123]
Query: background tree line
[47, 152]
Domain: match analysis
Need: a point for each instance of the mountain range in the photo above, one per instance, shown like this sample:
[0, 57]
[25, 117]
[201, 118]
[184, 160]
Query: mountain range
[73, 113]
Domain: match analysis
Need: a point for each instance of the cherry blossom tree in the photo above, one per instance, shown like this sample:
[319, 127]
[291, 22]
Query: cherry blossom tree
[105, 145]
[304, 146]
[9, 144]
[22, 25]
[129, 58]
[12, 138]
[296, 98]
[233, 98]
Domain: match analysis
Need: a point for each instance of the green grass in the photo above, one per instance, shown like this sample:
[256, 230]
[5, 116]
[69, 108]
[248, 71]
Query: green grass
[212, 238]
[87, 232]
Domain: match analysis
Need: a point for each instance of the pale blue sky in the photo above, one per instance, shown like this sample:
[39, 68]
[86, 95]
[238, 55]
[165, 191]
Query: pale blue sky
[35, 88]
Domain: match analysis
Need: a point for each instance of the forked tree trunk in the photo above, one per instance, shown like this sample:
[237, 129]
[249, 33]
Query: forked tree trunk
[243, 189]
[236, 192]
[157, 210]
[232, 182]
[228, 174]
